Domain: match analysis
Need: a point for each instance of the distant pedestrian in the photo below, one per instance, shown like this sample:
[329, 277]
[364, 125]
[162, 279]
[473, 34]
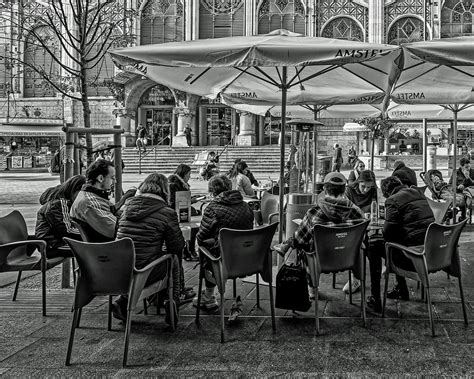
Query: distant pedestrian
[402, 148]
[187, 133]
[141, 138]
[352, 156]
[337, 160]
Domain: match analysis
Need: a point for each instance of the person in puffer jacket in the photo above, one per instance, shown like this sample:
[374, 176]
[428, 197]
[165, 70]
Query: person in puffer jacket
[226, 210]
[53, 221]
[153, 226]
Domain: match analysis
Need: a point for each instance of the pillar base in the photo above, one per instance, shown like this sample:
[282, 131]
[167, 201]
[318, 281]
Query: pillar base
[179, 141]
[246, 140]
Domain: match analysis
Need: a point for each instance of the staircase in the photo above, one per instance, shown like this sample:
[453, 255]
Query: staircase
[260, 159]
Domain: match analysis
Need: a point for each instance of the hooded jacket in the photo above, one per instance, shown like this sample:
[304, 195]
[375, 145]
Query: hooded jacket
[407, 216]
[150, 223]
[329, 211]
[227, 210]
[362, 200]
[406, 175]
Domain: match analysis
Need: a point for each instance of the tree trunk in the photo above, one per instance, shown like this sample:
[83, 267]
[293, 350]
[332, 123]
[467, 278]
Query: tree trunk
[86, 111]
[372, 150]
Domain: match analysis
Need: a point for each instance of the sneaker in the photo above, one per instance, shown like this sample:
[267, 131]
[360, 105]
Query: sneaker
[374, 304]
[186, 295]
[355, 286]
[398, 293]
[207, 302]
[312, 296]
[281, 248]
[118, 312]
[235, 310]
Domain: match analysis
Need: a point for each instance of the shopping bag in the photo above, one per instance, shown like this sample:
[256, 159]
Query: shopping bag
[292, 284]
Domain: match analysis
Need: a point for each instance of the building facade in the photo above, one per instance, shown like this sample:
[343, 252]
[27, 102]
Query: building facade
[30, 106]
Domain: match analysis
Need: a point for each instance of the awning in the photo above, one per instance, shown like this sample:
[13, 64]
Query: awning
[30, 130]
[354, 127]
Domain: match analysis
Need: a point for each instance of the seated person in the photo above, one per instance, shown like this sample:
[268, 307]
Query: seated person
[240, 181]
[226, 210]
[406, 175]
[363, 191]
[92, 205]
[153, 226]
[359, 166]
[407, 217]
[179, 181]
[465, 180]
[442, 190]
[248, 174]
[334, 209]
[210, 168]
[53, 221]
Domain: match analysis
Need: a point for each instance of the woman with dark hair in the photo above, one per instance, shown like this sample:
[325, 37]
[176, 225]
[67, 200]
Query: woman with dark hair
[152, 225]
[363, 191]
[226, 210]
[359, 166]
[240, 181]
[179, 181]
[53, 221]
[249, 173]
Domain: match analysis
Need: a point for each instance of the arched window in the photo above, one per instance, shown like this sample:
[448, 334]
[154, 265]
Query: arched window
[281, 14]
[406, 29]
[456, 18]
[221, 18]
[343, 28]
[161, 21]
[36, 56]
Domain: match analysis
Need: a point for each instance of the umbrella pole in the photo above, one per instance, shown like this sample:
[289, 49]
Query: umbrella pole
[455, 148]
[315, 159]
[282, 152]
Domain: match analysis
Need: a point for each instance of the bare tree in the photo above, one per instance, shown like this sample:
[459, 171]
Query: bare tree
[76, 35]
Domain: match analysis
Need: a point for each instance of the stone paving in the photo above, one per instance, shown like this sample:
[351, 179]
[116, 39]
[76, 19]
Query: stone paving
[399, 345]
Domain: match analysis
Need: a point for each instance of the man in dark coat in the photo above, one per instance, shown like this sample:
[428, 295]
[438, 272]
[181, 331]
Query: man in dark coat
[152, 225]
[227, 210]
[406, 175]
[407, 217]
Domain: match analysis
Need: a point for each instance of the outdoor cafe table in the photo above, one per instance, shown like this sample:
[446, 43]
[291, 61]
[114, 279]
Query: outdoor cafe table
[186, 227]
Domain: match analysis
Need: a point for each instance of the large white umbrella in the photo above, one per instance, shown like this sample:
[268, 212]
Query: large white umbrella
[438, 72]
[278, 68]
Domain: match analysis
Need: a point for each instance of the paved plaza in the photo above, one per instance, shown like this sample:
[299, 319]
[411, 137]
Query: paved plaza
[399, 345]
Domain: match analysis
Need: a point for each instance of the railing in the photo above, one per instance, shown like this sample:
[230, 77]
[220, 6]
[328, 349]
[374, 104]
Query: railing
[153, 149]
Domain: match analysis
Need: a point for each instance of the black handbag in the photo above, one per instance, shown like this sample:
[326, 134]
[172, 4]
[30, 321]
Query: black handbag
[292, 284]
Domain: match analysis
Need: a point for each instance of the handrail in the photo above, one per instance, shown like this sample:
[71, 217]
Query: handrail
[153, 149]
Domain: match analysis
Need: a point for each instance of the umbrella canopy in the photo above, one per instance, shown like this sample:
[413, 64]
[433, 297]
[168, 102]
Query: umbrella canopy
[247, 70]
[438, 72]
[277, 68]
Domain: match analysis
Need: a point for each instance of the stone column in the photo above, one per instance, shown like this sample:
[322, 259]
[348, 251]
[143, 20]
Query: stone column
[246, 135]
[184, 118]
[376, 11]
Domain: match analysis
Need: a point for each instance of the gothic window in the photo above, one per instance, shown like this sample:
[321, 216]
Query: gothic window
[405, 29]
[5, 62]
[330, 10]
[396, 10]
[36, 56]
[221, 18]
[343, 28]
[456, 18]
[161, 21]
[281, 14]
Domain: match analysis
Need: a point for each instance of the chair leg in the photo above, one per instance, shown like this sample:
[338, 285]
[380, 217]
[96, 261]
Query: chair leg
[71, 336]
[258, 289]
[362, 303]
[17, 284]
[272, 306]
[145, 307]
[198, 308]
[333, 280]
[430, 310]
[109, 319]
[385, 294]
[316, 309]
[128, 327]
[422, 291]
[222, 317]
[461, 292]
[43, 289]
[235, 288]
[350, 286]
[74, 277]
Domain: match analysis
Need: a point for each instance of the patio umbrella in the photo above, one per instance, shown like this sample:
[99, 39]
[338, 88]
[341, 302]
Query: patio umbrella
[438, 72]
[277, 68]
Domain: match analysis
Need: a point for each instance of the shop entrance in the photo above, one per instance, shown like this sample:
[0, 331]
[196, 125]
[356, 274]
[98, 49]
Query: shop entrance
[158, 125]
[219, 125]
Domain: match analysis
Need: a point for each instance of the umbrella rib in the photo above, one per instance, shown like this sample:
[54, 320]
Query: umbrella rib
[269, 81]
[201, 74]
[297, 75]
[398, 85]
[327, 69]
[362, 78]
[461, 71]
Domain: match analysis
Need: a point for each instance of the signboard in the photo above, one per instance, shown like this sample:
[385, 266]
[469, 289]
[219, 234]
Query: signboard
[17, 161]
[27, 162]
[183, 205]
